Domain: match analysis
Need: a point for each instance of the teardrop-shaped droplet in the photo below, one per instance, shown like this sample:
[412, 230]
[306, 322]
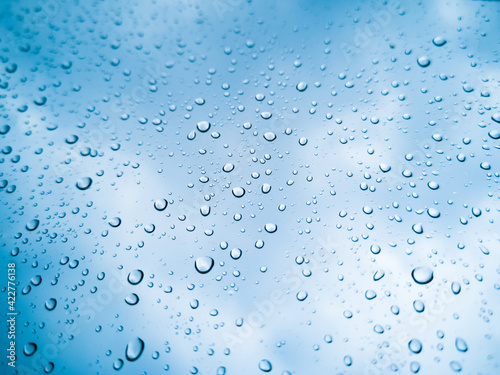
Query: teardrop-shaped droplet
[32, 225]
[455, 287]
[50, 304]
[134, 349]
[29, 349]
[461, 345]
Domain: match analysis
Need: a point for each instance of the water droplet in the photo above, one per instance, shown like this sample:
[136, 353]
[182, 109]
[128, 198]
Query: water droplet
[439, 41]
[32, 225]
[204, 264]
[384, 167]
[50, 304]
[423, 61]
[415, 346]
[228, 167]
[118, 364]
[302, 295]
[419, 306]
[370, 294]
[84, 183]
[134, 349]
[414, 367]
[375, 249]
[417, 228]
[302, 141]
[135, 277]
[205, 210]
[203, 126]
[115, 222]
[455, 287]
[160, 204]
[367, 210]
[485, 165]
[432, 212]
[29, 349]
[455, 366]
[378, 275]
[132, 299]
[302, 86]
[269, 136]
[265, 365]
[270, 227]
[422, 275]
[238, 192]
[433, 185]
[236, 253]
[461, 345]
[266, 115]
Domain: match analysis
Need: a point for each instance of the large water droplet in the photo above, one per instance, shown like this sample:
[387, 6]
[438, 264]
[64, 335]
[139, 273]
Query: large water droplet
[135, 277]
[32, 224]
[50, 304]
[422, 275]
[160, 204]
[415, 346]
[271, 227]
[84, 183]
[265, 365]
[29, 349]
[439, 41]
[302, 86]
[423, 61]
[132, 299]
[461, 345]
[204, 264]
[134, 349]
[203, 126]
[269, 136]
[238, 192]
